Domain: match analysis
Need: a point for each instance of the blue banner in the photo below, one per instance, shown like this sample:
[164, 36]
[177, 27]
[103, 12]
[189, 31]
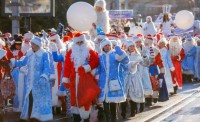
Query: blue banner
[180, 31]
[121, 14]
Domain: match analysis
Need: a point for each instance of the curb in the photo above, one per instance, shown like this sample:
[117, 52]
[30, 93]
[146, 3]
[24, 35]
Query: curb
[157, 114]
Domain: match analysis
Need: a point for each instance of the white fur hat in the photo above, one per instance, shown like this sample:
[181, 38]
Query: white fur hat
[58, 41]
[28, 35]
[149, 18]
[129, 43]
[105, 42]
[136, 38]
[163, 40]
[36, 40]
[101, 3]
[114, 42]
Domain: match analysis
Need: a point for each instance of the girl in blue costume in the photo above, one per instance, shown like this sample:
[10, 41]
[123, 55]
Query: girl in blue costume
[108, 71]
[37, 103]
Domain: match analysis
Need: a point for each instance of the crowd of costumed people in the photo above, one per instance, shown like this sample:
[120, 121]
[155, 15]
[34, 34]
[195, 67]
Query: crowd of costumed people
[97, 66]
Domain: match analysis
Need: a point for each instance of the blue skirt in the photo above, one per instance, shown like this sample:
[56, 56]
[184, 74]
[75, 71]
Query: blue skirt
[163, 93]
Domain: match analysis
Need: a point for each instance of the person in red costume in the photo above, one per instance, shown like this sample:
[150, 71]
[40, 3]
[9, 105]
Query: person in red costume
[155, 63]
[80, 61]
[177, 55]
[4, 70]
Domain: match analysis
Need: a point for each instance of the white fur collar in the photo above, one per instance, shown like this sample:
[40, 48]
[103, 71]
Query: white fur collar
[39, 53]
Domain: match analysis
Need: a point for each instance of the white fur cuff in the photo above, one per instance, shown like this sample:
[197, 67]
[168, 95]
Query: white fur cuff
[52, 77]
[172, 69]
[120, 58]
[87, 68]
[162, 70]
[179, 58]
[65, 80]
[44, 76]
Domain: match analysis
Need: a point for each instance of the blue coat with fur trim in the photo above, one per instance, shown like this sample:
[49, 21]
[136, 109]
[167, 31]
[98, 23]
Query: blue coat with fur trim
[109, 70]
[37, 82]
[188, 63]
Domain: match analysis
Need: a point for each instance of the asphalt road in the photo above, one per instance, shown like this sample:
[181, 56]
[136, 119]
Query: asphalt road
[161, 111]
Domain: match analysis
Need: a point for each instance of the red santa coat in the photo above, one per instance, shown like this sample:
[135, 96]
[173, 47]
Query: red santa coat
[4, 64]
[177, 74]
[157, 61]
[69, 77]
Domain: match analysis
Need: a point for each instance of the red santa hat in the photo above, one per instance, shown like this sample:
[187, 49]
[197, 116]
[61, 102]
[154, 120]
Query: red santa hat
[101, 3]
[149, 37]
[113, 36]
[159, 36]
[105, 42]
[136, 38]
[141, 36]
[66, 38]
[28, 36]
[79, 37]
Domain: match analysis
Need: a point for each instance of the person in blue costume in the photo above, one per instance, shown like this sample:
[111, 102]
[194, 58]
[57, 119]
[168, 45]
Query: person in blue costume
[108, 71]
[167, 62]
[133, 83]
[165, 81]
[188, 63]
[37, 103]
[144, 68]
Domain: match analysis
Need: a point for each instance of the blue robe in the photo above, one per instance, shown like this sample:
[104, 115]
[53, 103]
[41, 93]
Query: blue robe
[37, 82]
[167, 62]
[109, 70]
[18, 76]
[134, 87]
[188, 62]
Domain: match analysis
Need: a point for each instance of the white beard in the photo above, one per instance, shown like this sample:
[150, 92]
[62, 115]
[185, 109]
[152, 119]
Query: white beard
[25, 48]
[79, 54]
[175, 48]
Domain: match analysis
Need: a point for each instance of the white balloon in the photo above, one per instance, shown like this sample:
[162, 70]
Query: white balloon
[81, 16]
[184, 19]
